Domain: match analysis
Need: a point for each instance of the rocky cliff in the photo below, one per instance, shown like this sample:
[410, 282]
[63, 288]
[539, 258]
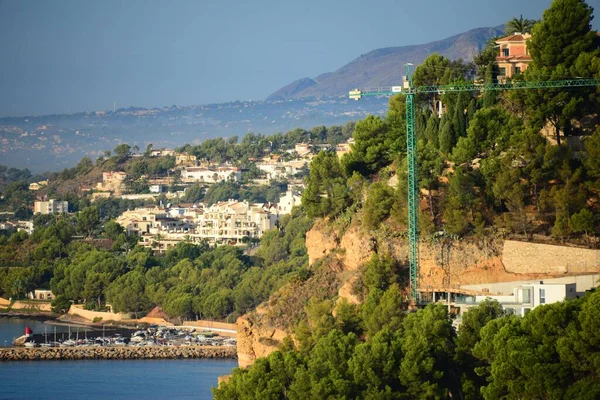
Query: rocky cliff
[444, 262]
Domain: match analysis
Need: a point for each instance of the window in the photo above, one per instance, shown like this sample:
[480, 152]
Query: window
[542, 296]
[526, 296]
[503, 71]
[517, 70]
[505, 52]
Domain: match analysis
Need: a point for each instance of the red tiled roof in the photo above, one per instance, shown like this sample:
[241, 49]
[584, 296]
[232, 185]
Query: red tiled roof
[513, 38]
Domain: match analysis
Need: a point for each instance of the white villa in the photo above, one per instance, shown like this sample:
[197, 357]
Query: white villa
[517, 297]
[210, 175]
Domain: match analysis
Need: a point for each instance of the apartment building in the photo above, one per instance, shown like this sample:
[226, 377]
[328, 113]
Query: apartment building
[51, 206]
[230, 222]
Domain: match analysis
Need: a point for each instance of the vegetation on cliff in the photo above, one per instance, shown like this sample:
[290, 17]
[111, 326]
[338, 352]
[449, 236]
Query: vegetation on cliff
[552, 352]
[487, 165]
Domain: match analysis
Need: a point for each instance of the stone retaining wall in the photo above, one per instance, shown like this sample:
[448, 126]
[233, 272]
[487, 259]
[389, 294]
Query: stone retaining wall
[528, 258]
[121, 353]
[77, 309]
[32, 305]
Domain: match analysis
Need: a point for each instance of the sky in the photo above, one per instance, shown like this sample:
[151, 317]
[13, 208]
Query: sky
[66, 56]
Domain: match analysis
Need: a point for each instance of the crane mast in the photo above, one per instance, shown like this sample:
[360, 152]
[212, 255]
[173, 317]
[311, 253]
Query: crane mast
[411, 145]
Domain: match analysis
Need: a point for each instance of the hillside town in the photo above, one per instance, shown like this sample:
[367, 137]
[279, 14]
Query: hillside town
[165, 220]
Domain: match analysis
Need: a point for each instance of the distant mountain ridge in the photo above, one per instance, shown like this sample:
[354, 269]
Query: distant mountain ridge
[382, 67]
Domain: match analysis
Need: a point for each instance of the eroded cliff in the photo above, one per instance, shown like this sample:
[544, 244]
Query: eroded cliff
[336, 260]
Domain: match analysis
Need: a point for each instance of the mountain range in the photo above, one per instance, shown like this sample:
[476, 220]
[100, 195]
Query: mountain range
[383, 67]
[56, 141]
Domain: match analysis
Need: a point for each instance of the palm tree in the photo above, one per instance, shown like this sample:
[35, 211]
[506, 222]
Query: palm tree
[522, 25]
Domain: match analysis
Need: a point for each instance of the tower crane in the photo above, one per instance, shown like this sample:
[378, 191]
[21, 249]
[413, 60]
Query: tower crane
[409, 91]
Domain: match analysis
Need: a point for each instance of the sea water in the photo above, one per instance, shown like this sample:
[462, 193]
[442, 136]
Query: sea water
[105, 379]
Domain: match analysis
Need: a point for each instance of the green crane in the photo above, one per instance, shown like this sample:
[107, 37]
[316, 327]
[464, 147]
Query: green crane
[409, 91]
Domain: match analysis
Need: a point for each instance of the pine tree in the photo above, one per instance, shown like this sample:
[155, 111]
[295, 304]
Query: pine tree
[447, 136]
[562, 45]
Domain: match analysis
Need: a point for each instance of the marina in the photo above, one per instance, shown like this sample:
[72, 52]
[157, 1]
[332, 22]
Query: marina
[151, 336]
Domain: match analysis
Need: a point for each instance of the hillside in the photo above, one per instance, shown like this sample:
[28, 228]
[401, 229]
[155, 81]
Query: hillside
[381, 67]
[50, 142]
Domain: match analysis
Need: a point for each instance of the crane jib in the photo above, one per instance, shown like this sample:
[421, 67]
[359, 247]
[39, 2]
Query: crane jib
[474, 87]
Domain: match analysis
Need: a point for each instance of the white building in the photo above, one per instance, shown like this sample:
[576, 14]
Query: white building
[50, 207]
[288, 201]
[41, 294]
[230, 222]
[210, 175]
[156, 188]
[518, 297]
[161, 152]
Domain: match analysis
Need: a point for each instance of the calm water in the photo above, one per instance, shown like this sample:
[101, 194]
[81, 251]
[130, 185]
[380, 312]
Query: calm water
[104, 379]
[12, 328]
[111, 379]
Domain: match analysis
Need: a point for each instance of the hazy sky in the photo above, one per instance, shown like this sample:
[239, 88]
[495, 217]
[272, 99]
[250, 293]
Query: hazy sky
[69, 56]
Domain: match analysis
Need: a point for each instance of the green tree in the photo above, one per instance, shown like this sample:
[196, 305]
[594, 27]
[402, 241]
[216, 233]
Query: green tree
[447, 136]
[469, 335]
[378, 205]
[519, 25]
[383, 309]
[122, 151]
[325, 193]
[87, 220]
[373, 146]
[562, 45]
[127, 293]
[582, 222]
[427, 368]
[60, 304]
[592, 161]
[112, 230]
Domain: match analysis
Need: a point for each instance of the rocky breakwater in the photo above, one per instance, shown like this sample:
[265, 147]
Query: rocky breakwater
[115, 353]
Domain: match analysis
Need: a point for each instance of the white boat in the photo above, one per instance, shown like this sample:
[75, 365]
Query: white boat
[30, 344]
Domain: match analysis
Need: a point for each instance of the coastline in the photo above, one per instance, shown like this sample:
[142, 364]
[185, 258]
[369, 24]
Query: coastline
[31, 315]
[117, 353]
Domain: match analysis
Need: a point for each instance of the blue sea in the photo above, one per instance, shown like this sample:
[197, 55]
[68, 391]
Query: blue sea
[107, 379]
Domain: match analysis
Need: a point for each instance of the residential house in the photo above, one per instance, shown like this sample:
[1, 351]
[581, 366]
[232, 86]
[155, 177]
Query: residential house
[513, 55]
[38, 185]
[141, 219]
[518, 297]
[25, 226]
[113, 181]
[156, 188]
[185, 159]
[161, 152]
[41, 294]
[303, 149]
[8, 226]
[288, 201]
[344, 148]
[211, 175]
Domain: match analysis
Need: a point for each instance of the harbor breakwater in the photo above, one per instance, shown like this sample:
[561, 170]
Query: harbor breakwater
[116, 353]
